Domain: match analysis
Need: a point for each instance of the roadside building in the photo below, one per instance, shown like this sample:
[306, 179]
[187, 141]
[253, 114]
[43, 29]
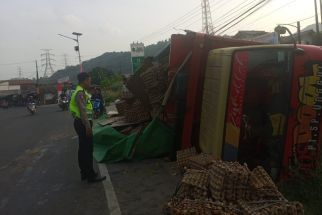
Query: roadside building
[258, 36]
[13, 92]
[248, 35]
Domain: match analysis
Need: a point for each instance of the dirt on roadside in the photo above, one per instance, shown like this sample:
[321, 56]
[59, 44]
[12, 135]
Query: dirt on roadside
[142, 188]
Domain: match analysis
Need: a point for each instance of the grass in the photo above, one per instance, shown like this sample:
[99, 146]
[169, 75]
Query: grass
[308, 191]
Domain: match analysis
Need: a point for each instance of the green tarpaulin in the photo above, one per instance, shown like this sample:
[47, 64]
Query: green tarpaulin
[111, 146]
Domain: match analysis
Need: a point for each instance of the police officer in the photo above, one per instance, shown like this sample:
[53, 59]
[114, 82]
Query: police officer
[82, 111]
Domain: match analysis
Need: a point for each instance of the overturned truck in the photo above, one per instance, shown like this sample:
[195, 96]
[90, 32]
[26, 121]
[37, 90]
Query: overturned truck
[237, 100]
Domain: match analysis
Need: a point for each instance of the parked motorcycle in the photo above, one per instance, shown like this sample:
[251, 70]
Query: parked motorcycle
[63, 103]
[31, 107]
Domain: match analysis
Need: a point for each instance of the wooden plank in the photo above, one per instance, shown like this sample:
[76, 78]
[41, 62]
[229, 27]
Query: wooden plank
[109, 121]
[123, 123]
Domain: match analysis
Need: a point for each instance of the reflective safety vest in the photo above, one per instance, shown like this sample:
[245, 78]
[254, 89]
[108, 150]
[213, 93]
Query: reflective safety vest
[73, 107]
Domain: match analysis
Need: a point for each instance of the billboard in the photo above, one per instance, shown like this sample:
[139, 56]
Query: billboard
[137, 55]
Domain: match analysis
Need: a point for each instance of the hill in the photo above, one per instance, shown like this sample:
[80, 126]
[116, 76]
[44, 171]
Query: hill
[116, 62]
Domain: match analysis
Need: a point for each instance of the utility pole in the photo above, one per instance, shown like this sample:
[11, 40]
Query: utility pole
[76, 47]
[37, 74]
[19, 72]
[207, 26]
[37, 78]
[65, 60]
[316, 18]
[299, 32]
[46, 60]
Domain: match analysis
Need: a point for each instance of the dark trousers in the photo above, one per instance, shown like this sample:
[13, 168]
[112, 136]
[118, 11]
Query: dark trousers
[85, 150]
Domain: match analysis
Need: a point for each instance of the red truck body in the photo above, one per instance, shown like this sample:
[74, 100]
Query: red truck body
[200, 45]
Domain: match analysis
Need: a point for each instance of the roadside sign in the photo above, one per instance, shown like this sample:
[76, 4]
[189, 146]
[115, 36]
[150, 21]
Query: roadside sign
[137, 55]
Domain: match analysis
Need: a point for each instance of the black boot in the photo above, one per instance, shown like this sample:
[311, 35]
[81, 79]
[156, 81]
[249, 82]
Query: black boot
[96, 179]
[84, 176]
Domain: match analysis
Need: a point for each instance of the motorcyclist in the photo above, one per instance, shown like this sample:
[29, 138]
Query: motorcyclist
[62, 95]
[63, 101]
[97, 94]
[30, 99]
[31, 104]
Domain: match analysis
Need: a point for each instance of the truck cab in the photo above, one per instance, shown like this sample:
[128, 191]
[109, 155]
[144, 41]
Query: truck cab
[261, 105]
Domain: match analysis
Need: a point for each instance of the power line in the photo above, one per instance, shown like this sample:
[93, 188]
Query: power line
[182, 20]
[232, 12]
[199, 20]
[185, 20]
[171, 28]
[304, 19]
[251, 11]
[177, 26]
[189, 18]
[188, 14]
[226, 14]
[267, 14]
[15, 63]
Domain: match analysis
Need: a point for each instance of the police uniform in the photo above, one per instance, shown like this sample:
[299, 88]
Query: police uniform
[85, 149]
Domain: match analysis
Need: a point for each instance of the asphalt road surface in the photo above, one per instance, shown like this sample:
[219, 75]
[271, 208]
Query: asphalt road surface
[38, 166]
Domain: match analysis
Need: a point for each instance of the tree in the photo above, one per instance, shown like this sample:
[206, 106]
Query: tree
[98, 74]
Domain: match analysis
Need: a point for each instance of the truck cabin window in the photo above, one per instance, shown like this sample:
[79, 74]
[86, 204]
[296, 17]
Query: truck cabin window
[266, 105]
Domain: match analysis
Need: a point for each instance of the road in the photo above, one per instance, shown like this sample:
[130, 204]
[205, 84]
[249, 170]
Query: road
[38, 166]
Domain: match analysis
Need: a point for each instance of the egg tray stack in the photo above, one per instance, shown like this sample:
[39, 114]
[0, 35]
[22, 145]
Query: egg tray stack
[262, 186]
[202, 161]
[155, 83]
[183, 157]
[121, 106]
[211, 186]
[196, 178]
[149, 78]
[194, 185]
[155, 96]
[228, 181]
[155, 76]
[135, 112]
[271, 207]
[198, 207]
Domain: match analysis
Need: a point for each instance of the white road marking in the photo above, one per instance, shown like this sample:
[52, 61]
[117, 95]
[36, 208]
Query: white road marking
[111, 198]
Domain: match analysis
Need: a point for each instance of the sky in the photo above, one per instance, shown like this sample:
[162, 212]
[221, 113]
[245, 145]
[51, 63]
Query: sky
[27, 26]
